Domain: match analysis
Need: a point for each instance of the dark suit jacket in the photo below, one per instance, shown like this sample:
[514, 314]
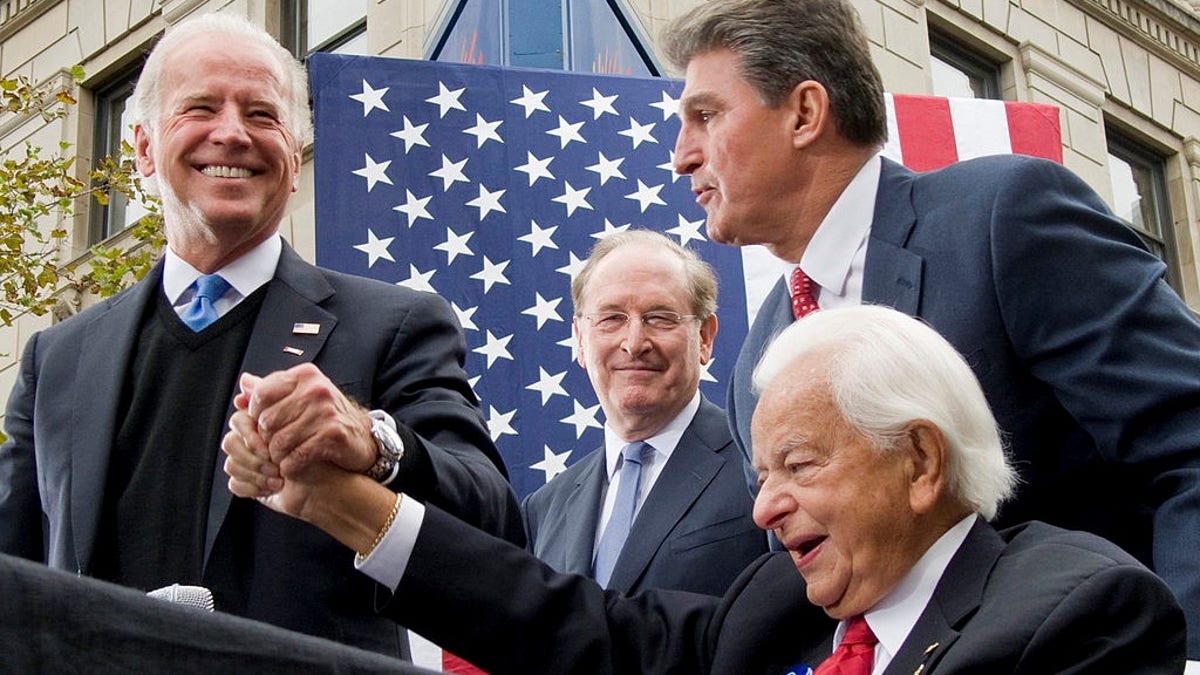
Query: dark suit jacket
[693, 533]
[1090, 362]
[385, 346]
[1033, 599]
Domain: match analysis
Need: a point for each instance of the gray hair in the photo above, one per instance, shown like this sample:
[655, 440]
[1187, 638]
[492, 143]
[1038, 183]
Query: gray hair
[701, 280]
[148, 95]
[781, 43]
[886, 370]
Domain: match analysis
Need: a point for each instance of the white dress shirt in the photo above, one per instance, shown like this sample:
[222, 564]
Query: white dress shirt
[837, 253]
[245, 275]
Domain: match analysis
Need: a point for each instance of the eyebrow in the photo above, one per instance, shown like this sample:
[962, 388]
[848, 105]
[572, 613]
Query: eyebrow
[702, 99]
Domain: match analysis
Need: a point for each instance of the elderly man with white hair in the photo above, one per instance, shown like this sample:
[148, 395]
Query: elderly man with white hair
[879, 464]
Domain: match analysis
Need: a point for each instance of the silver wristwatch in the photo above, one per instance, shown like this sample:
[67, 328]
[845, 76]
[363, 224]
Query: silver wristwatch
[390, 445]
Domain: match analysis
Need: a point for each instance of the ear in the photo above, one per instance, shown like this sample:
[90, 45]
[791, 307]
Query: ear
[708, 333]
[578, 334]
[809, 103]
[143, 153]
[297, 162]
[926, 461]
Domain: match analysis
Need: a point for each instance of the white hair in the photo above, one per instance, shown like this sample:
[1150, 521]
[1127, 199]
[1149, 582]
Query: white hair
[148, 95]
[887, 370]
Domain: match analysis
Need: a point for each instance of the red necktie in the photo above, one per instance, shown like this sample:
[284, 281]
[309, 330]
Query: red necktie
[856, 653]
[803, 300]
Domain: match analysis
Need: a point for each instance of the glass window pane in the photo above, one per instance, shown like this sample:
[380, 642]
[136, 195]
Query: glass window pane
[600, 43]
[950, 81]
[329, 18]
[1127, 193]
[476, 36]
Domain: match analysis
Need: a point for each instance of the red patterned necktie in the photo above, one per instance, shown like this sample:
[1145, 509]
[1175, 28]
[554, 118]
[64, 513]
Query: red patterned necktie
[855, 655]
[803, 300]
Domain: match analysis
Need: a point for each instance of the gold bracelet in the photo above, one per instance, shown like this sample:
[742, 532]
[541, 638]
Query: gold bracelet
[387, 525]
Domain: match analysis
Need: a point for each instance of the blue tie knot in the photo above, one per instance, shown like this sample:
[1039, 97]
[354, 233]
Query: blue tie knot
[636, 452]
[200, 311]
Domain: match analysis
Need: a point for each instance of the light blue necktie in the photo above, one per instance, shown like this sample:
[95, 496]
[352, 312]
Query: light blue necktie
[624, 506]
[200, 311]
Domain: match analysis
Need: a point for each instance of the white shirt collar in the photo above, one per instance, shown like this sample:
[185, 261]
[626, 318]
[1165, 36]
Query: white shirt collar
[830, 254]
[246, 274]
[893, 617]
[663, 442]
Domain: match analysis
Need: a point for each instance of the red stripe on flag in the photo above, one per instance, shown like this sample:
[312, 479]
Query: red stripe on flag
[455, 664]
[1034, 130]
[926, 131]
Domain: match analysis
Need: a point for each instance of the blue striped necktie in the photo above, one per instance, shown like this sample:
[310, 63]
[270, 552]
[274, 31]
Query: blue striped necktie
[624, 506]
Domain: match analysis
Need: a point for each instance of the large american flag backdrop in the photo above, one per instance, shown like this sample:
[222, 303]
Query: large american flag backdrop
[489, 186]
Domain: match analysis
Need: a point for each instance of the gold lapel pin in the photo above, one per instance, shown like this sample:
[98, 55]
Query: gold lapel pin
[306, 328]
[293, 350]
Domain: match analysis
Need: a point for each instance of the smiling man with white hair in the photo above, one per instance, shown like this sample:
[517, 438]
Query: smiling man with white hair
[880, 465]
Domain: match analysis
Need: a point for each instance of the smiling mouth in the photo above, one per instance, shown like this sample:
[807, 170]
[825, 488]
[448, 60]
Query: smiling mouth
[807, 549]
[217, 171]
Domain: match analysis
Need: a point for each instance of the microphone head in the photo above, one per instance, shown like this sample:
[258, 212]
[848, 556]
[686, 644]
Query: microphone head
[191, 596]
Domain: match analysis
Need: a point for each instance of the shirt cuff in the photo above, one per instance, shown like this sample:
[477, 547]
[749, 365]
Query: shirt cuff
[386, 564]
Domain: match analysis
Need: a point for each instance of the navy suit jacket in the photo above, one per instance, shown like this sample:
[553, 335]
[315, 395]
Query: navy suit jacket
[1030, 600]
[694, 531]
[384, 346]
[1090, 362]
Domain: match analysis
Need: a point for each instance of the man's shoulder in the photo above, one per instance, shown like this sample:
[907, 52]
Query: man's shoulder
[1042, 544]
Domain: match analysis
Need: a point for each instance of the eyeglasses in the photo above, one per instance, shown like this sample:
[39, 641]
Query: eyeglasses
[659, 321]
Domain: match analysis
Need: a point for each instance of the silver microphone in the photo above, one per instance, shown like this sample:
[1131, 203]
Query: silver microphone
[191, 596]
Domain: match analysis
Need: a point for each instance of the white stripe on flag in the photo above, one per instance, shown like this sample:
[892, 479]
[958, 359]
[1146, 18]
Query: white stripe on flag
[980, 127]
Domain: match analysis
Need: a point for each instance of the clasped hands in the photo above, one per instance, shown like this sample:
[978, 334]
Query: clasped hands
[293, 433]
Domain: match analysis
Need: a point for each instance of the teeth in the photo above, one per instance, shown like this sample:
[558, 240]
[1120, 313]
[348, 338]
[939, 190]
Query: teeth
[226, 172]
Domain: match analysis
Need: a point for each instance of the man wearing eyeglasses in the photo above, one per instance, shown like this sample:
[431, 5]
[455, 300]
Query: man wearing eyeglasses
[662, 504]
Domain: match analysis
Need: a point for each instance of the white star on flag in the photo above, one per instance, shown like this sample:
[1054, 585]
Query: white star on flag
[536, 168]
[494, 348]
[607, 168]
[487, 201]
[548, 385]
[464, 316]
[669, 167]
[414, 207]
[539, 238]
[582, 418]
[544, 310]
[531, 101]
[446, 100]
[574, 199]
[669, 106]
[610, 229]
[572, 268]
[374, 172]
[645, 196]
[455, 245]
[640, 133]
[411, 135]
[484, 131]
[567, 132]
[418, 280]
[500, 423]
[376, 248]
[451, 173]
[600, 104]
[706, 376]
[371, 98]
[570, 343]
[553, 464]
[491, 274]
[687, 230]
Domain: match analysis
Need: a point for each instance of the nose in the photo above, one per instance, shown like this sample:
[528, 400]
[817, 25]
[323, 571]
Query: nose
[687, 151]
[230, 128]
[636, 340]
[772, 506]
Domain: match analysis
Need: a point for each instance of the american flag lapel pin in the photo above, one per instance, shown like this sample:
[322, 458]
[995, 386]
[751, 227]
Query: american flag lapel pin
[306, 328]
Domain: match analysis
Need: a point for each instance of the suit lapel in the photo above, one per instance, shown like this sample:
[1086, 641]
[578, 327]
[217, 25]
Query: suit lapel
[955, 599]
[581, 515]
[103, 364]
[692, 466]
[892, 274]
[275, 344]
